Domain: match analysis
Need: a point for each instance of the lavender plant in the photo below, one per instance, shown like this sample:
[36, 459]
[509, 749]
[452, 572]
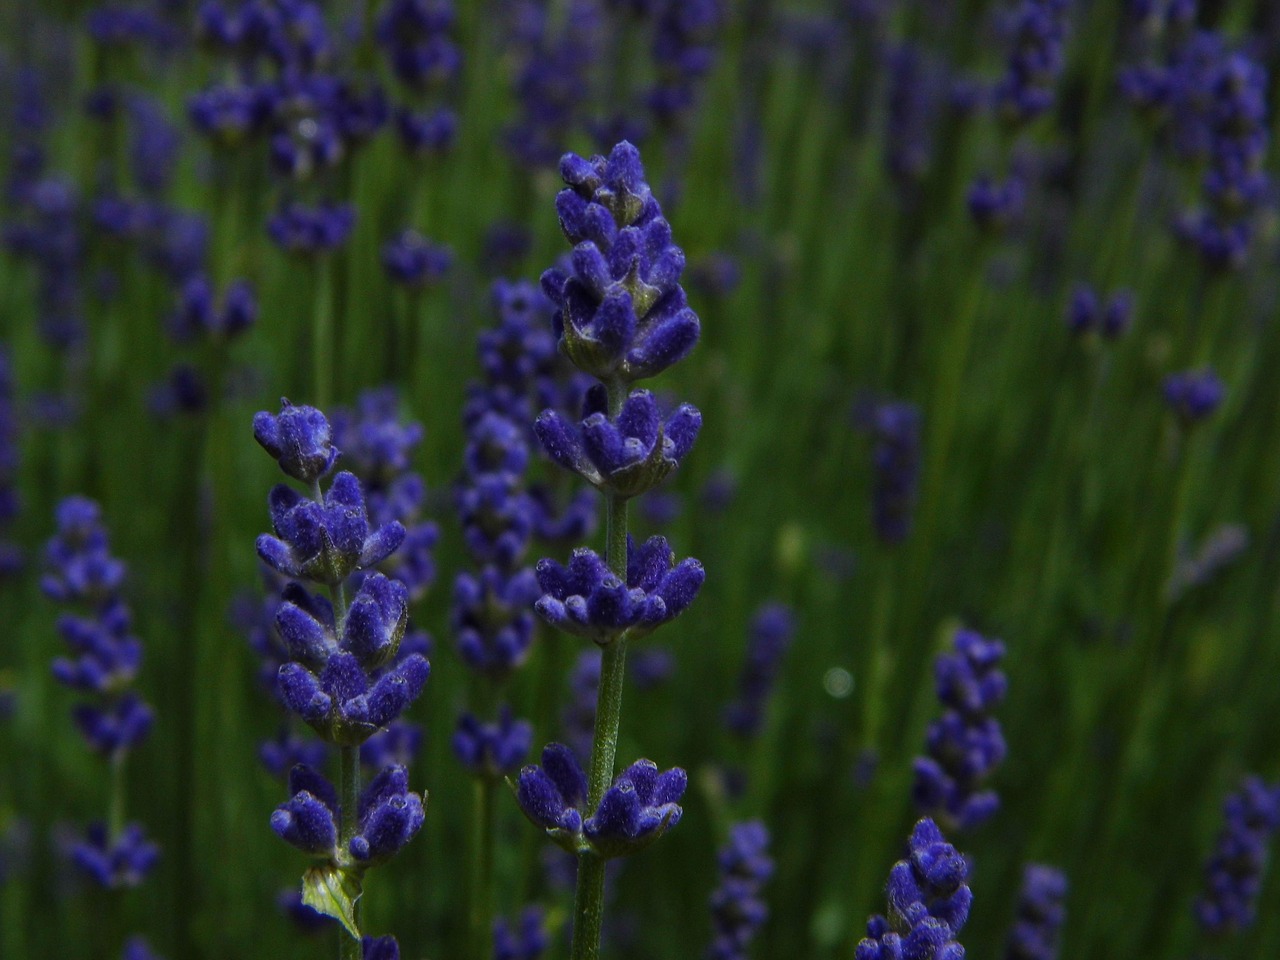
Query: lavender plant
[82, 575]
[349, 675]
[621, 316]
[965, 744]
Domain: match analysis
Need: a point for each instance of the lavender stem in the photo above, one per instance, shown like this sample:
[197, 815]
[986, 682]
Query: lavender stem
[588, 906]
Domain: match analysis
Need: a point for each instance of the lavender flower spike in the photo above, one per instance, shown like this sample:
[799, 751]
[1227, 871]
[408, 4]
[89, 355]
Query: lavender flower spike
[587, 600]
[1038, 926]
[640, 806]
[965, 744]
[1233, 875]
[737, 912]
[928, 903]
[621, 313]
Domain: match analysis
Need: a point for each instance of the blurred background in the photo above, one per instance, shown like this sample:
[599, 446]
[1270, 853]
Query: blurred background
[947, 257]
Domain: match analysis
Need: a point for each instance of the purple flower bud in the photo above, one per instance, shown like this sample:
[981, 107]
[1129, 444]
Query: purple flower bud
[637, 809]
[380, 948]
[414, 261]
[390, 816]
[737, 910]
[299, 439]
[621, 312]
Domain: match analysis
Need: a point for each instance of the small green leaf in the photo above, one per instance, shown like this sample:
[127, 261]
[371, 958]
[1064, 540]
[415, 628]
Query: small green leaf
[333, 891]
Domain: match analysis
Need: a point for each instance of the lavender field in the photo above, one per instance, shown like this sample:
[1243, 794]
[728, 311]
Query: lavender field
[637, 479]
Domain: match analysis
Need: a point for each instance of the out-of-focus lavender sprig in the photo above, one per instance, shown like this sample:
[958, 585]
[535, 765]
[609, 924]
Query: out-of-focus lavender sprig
[928, 902]
[1220, 549]
[81, 574]
[768, 638]
[1037, 928]
[1036, 32]
[1234, 872]
[737, 910]
[894, 428]
[1088, 313]
[551, 76]
[525, 938]
[1193, 395]
[965, 744]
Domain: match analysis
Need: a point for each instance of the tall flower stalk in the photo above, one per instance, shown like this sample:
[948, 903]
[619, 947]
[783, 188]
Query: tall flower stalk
[621, 316]
[348, 674]
[81, 574]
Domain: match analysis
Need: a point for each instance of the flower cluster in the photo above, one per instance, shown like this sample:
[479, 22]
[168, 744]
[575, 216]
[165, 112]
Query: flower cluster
[621, 314]
[1235, 185]
[81, 573]
[417, 36]
[551, 80]
[201, 314]
[928, 903]
[1088, 313]
[640, 806]
[589, 600]
[772, 629]
[737, 912]
[684, 36]
[895, 459]
[387, 818]
[1041, 912]
[1233, 874]
[965, 744]
[1193, 395]
[345, 676]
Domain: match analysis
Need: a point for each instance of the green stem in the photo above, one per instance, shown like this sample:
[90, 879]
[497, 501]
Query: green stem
[322, 333]
[349, 948]
[482, 894]
[588, 905]
[115, 807]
